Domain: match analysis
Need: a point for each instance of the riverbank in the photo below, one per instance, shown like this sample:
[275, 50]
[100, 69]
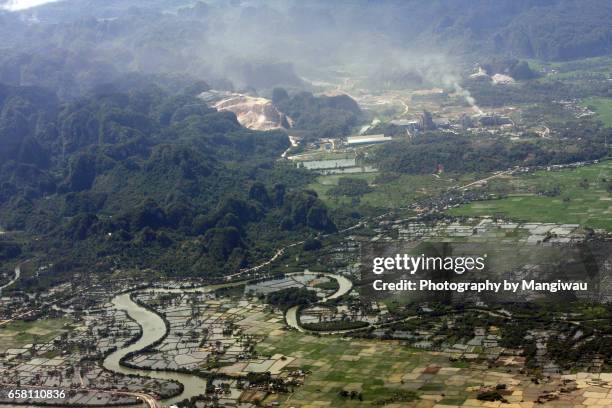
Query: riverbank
[155, 329]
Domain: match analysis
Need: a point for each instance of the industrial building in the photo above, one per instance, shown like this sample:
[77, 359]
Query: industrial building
[410, 125]
[367, 139]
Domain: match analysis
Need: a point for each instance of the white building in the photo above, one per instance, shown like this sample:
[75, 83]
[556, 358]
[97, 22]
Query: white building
[368, 139]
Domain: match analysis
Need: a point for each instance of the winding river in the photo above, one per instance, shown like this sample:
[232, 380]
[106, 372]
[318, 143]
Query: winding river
[153, 328]
[344, 287]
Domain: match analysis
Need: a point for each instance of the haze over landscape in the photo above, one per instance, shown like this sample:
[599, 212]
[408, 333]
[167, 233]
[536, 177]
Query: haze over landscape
[193, 194]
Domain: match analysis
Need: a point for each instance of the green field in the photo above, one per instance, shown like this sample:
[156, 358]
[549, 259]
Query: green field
[338, 364]
[603, 107]
[584, 197]
[396, 193]
[19, 333]
[573, 71]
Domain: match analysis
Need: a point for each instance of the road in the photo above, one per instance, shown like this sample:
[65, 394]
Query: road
[149, 400]
[278, 253]
[405, 105]
[503, 173]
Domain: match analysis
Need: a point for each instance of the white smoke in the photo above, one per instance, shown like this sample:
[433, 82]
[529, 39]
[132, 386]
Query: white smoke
[437, 68]
[468, 97]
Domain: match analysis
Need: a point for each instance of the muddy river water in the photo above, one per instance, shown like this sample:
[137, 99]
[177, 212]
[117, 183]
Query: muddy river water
[153, 328]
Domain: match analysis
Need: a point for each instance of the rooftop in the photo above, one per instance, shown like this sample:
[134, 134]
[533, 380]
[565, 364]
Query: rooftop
[352, 140]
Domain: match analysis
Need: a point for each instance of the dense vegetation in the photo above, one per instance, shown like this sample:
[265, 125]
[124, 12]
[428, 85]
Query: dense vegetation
[536, 92]
[286, 298]
[109, 166]
[350, 187]
[146, 178]
[578, 141]
[9, 250]
[560, 30]
[99, 42]
[513, 67]
[319, 116]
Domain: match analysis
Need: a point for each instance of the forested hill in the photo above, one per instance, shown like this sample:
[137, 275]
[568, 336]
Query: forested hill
[548, 30]
[146, 178]
[74, 45]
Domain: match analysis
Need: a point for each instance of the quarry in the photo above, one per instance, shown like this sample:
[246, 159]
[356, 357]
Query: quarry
[252, 112]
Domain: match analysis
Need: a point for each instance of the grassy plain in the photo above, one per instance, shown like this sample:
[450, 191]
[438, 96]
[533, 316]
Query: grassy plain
[584, 197]
[603, 108]
[19, 333]
[394, 193]
[577, 70]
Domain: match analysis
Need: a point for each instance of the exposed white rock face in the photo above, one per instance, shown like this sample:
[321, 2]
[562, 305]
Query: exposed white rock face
[481, 73]
[502, 79]
[253, 112]
[498, 79]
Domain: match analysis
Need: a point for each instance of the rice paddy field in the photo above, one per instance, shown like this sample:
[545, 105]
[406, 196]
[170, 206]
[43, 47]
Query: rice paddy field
[390, 374]
[603, 108]
[573, 71]
[19, 333]
[383, 372]
[584, 197]
[397, 192]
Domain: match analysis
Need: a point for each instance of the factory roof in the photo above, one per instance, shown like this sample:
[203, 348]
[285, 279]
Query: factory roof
[404, 122]
[352, 140]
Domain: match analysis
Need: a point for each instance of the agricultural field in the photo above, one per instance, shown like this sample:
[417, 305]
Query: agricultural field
[19, 333]
[577, 70]
[395, 192]
[338, 364]
[583, 196]
[389, 374]
[603, 108]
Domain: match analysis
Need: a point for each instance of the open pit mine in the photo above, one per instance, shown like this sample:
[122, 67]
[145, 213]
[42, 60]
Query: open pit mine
[252, 112]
